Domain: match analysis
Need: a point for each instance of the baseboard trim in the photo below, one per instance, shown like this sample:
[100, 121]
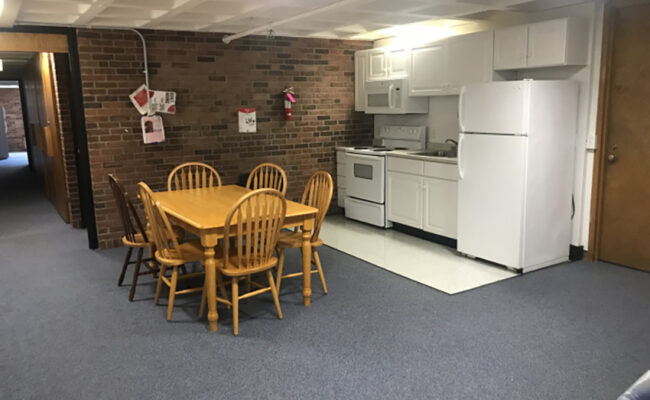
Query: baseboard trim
[432, 237]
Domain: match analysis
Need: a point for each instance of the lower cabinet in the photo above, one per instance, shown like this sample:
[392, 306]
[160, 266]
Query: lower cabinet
[404, 198]
[427, 200]
[440, 207]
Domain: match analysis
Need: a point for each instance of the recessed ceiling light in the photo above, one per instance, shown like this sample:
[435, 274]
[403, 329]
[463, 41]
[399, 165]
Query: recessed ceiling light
[1, 69]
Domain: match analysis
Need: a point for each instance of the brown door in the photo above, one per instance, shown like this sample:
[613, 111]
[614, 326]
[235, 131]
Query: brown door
[624, 225]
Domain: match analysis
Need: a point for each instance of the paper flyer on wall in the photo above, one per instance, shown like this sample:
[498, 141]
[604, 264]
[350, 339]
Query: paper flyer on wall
[158, 101]
[247, 120]
[152, 129]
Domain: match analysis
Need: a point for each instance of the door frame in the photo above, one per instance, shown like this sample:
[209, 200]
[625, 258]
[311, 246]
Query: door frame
[78, 120]
[598, 181]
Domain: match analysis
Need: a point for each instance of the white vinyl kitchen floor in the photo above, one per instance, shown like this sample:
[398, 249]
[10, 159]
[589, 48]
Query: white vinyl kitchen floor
[429, 263]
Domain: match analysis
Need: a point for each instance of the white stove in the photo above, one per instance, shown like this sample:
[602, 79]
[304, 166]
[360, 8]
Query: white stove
[366, 172]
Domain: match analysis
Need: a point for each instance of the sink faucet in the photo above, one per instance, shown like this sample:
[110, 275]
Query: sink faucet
[452, 141]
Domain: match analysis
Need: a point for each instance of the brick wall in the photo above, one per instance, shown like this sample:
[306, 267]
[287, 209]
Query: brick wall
[67, 139]
[10, 100]
[212, 80]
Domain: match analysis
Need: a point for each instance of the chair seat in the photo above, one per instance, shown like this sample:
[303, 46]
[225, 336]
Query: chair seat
[293, 240]
[192, 251]
[231, 268]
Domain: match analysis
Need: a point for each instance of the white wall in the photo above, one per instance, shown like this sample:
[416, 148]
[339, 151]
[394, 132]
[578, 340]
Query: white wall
[443, 111]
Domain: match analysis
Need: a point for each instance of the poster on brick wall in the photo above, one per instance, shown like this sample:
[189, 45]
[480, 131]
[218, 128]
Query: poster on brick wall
[158, 101]
[152, 129]
[247, 120]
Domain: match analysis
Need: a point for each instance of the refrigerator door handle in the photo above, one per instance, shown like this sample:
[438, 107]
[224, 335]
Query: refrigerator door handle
[390, 96]
[460, 156]
[461, 105]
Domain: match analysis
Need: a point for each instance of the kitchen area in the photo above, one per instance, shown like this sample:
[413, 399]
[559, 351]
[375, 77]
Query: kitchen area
[474, 170]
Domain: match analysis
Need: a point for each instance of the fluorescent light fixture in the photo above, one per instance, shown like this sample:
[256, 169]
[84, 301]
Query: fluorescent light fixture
[1, 67]
[2, 6]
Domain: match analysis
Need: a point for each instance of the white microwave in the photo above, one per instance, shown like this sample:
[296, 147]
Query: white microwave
[392, 97]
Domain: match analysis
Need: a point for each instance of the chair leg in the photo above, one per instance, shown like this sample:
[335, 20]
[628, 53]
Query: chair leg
[163, 269]
[152, 263]
[172, 293]
[280, 268]
[222, 286]
[235, 307]
[204, 298]
[274, 292]
[126, 264]
[136, 272]
[320, 270]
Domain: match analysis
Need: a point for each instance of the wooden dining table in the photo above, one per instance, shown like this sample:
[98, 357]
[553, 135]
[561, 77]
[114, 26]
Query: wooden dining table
[203, 213]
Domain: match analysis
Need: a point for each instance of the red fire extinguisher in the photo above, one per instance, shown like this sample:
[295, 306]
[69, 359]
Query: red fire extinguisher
[288, 100]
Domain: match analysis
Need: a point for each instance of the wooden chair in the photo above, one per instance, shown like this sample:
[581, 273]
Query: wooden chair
[317, 194]
[193, 175]
[268, 176]
[169, 253]
[135, 236]
[254, 223]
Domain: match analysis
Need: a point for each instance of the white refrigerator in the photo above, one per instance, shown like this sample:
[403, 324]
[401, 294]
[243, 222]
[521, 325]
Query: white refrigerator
[516, 163]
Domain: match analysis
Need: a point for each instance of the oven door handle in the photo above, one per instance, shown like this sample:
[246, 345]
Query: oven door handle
[351, 156]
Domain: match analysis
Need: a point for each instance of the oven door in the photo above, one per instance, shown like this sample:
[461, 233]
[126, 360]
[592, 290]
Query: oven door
[364, 177]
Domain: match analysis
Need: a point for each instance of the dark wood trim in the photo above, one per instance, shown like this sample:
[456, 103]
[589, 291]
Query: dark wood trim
[80, 138]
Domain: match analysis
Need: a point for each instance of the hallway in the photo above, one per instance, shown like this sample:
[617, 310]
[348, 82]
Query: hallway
[67, 331]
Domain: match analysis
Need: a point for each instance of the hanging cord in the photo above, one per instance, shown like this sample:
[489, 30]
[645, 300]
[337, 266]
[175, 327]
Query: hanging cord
[146, 66]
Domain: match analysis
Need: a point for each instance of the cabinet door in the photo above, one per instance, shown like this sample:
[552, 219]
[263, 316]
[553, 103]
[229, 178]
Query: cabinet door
[397, 63]
[470, 59]
[510, 47]
[360, 65]
[404, 200]
[377, 65]
[440, 207]
[547, 43]
[428, 72]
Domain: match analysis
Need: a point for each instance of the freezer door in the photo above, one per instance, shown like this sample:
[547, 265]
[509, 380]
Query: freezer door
[491, 197]
[494, 107]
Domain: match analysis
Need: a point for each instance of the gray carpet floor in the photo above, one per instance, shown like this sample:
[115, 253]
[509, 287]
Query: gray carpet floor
[67, 331]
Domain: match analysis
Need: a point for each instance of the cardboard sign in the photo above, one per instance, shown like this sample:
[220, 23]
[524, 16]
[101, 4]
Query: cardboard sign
[247, 120]
[152, 129]
[140, 99]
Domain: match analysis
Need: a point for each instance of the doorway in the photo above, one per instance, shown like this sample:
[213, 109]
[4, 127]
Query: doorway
[45, 64]
[621, 216]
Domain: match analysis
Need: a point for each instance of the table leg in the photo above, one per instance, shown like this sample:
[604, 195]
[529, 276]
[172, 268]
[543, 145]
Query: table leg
[210, 265]
[307, 227]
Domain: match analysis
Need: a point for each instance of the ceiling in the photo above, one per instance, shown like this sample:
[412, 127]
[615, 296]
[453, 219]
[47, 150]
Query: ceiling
[345, 19]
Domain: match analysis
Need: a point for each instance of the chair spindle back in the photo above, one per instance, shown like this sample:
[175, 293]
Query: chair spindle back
[318, 194]
[126, 210]
[161, 229]
[254, 223]
[268, 176]
[193, 175]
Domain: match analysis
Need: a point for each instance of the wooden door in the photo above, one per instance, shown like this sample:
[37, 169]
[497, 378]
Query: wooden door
[623, 226]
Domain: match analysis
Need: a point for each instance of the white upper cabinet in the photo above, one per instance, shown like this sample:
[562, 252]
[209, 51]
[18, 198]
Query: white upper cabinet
[428, 69]
[398, 63]
[377, 65]
[511, 47]
[469, 59]
[387, 63]
[442, 67]
[556, 42]
[360, 66]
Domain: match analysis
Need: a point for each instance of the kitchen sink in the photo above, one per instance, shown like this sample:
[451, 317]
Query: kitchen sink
[437, 153]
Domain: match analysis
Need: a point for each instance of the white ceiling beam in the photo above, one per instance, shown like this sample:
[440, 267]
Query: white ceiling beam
[311, 13]
[93, 11]
[9, 13]
[178, 9]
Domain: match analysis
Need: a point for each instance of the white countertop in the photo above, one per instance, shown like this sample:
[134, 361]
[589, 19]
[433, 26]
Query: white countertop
[411, 154]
